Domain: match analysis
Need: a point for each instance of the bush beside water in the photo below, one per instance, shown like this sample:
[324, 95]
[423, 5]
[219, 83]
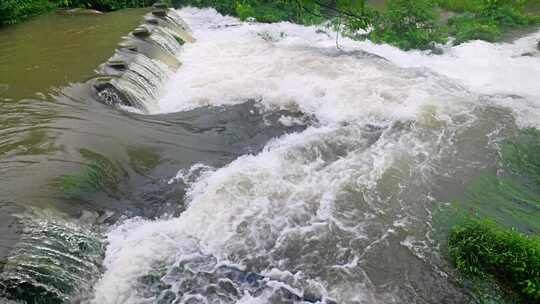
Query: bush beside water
[404, 23]
[13, 11]
[483, 249]
[501, 241]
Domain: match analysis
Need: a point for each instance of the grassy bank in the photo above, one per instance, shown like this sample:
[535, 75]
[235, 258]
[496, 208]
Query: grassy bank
[14, 11]
[501, 242]
[483, 249]
[488, 20]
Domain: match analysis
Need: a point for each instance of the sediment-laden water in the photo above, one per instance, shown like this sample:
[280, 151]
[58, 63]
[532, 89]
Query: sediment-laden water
[232, 162]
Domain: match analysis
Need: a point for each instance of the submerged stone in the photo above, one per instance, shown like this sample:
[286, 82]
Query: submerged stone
[151, 20]
[160, 5]
[127, 46]
[117, 64]
[160, 13]
[82, 11]
[109, 94]
[141, 31]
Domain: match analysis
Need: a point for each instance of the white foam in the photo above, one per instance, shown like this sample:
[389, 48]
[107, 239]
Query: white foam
[285, 64]
[354, 189]
[288, 190]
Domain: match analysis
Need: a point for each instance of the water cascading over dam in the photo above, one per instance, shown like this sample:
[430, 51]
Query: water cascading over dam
[135, 76]
[261, 164]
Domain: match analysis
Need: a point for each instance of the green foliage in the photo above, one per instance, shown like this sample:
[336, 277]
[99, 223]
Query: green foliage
[467, 27]
[408, 25]
[13, 11]
[485, 19]
[459, 5]
[244, 11]
[481, 248]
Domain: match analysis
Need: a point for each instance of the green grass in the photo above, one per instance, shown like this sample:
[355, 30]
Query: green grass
[481, 248]
[459, 6]
[500, 242]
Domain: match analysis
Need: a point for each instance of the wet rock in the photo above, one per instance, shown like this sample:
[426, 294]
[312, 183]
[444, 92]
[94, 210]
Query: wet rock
[109, 94]
[160, 5]
[437, 51]
[528, 54]
[167, 298]
[160, 13]
[117, 64]
[141, 31]
[127, 46]
[152, 20]
[81, 11]
[538, 45]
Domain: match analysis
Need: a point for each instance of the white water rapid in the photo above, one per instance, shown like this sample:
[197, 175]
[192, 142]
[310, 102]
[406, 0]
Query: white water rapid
[341, 212]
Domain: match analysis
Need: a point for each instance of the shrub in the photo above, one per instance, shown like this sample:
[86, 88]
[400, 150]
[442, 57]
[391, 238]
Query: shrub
[408, 25]
[13, 11]
[460, 5]
[481, 248]
[467, 27]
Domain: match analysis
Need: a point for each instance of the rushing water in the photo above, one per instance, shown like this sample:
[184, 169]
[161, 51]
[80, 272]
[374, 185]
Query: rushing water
[258, 163]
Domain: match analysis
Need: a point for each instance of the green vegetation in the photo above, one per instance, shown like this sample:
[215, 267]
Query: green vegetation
[486, 19]
[404, 23]
[13, 11]
[481, 248]
[408, 25]
[100, 174]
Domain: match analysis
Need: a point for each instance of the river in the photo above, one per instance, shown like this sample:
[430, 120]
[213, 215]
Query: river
[254, 163]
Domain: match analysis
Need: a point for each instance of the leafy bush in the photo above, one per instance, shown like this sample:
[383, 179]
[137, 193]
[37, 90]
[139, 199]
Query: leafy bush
[481, 248]
[485, 19]
[12, 11]
[408, 25]
[467, 27]
[460, 5]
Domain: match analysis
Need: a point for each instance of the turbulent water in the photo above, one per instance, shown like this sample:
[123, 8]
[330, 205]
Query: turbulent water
[343, 210]
[325, 173]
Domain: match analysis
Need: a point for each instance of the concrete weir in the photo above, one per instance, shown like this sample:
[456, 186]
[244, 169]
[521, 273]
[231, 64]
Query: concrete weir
[134, 76]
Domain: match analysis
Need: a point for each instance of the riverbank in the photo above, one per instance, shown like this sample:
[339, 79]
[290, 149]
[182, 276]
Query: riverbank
[419, 24]
[264, 165]
[15, 11]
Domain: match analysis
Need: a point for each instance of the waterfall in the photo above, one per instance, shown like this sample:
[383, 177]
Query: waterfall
[55, 259]
[342, 211]
[134, 77]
